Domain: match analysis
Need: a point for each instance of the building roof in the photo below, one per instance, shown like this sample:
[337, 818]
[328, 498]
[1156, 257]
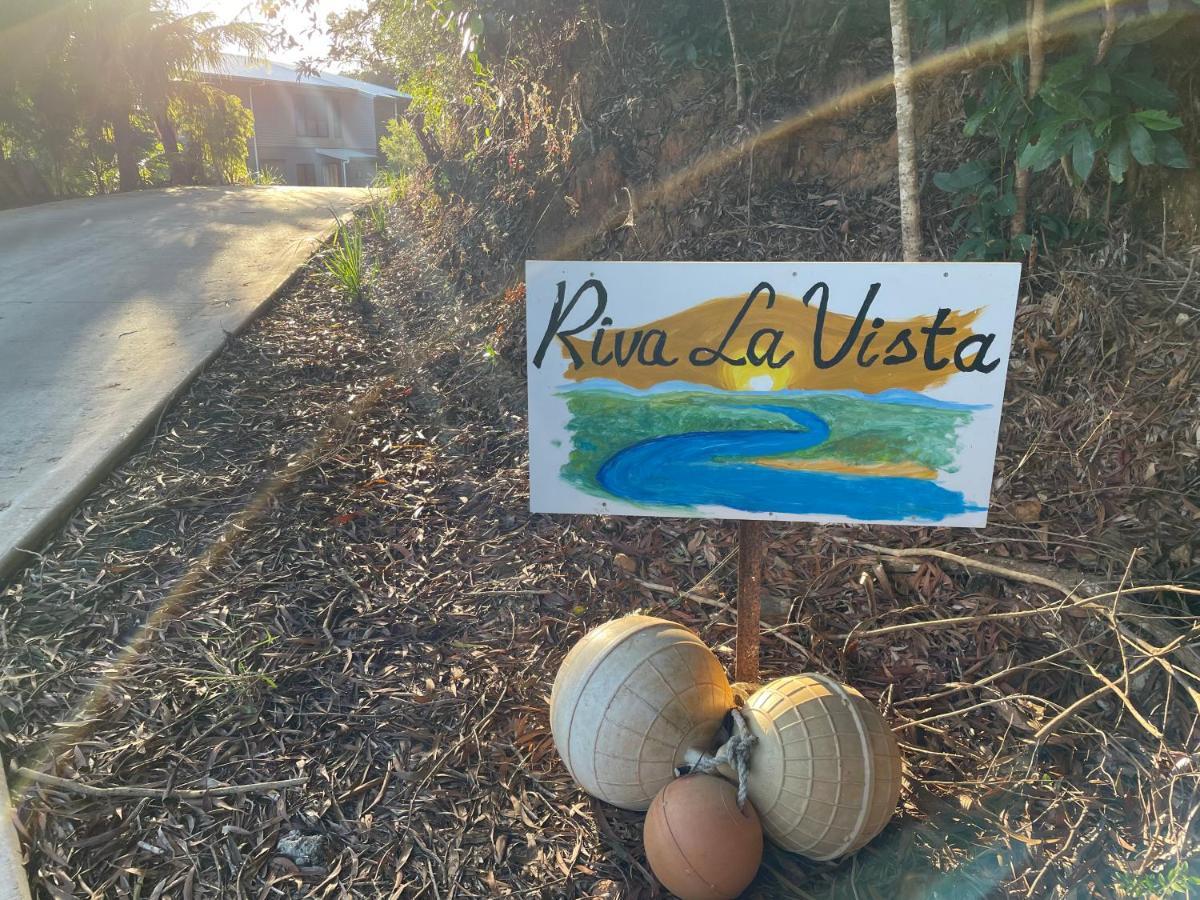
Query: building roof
[241, 67]
[343, 155]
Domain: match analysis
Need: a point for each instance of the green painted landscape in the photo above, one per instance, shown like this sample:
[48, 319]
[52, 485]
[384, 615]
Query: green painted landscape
[904, 429]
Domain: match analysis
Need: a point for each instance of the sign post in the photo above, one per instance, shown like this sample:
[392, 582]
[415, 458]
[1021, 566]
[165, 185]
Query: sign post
[751, 549]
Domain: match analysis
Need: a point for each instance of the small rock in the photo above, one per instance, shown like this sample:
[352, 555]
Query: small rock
[1027, 511]
[284, 865]
[625, 561]
[302, 849]
[775, 609]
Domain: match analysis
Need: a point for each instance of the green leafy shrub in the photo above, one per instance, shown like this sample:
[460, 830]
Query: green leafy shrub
[691, 32]
[936, 24]
[1177, 881]
[1113, 112]
[1094, 120]
[1100, 110]
[401, 148]
[216, 130]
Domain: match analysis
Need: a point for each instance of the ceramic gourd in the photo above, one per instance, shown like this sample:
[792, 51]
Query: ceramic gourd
[630, 699]
[825, 771]
[698, 843]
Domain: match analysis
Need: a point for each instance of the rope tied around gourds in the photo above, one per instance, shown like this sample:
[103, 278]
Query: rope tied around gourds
[735, 753]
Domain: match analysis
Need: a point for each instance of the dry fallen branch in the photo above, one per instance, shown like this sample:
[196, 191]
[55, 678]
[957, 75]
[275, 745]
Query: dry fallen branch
[1155, 655]
[974, 562]
[1121, 608]
[982, 704]
[963, 620]
[129, 792]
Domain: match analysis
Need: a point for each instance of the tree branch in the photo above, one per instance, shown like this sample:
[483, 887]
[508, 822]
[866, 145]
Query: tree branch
[122, 792]
[737, 64]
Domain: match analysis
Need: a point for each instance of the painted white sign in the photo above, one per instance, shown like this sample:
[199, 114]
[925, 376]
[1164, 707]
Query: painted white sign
[818, 392]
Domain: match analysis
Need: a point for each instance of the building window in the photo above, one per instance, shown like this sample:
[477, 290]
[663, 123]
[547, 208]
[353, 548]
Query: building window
[306, 173]
[311, 120]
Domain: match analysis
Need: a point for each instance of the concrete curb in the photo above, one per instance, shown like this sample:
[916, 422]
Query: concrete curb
[22, 554]
[13, 883]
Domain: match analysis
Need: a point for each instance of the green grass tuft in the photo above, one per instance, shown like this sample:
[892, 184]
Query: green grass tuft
[378, 213]
[266, 176]
[344, 261]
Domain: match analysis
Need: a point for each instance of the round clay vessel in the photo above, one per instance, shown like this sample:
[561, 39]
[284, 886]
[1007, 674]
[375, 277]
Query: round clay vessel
[698, 843]
[630, 699]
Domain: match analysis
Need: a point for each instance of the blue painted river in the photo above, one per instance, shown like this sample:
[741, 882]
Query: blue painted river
[703, 468]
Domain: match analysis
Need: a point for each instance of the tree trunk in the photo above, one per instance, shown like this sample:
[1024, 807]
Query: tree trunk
[1037, 62]
[127, 161]
[737, 63]
[428, 141]
[10, 186]
[906, 133]
[1110, 30]
[170, 142]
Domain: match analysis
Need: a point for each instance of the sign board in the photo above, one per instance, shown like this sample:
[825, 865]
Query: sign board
[818, 392]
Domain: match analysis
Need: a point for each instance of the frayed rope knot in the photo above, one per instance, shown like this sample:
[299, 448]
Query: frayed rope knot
[735, 753]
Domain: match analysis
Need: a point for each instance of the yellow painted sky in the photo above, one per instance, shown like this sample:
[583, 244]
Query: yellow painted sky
[704, 325]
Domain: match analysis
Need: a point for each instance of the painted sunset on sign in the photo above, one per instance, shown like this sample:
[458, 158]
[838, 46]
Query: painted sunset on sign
[800, 405]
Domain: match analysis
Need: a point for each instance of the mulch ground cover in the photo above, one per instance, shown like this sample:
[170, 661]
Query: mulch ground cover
[301, 644]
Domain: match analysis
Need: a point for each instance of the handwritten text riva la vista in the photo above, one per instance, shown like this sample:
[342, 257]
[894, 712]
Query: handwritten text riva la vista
[739, 347]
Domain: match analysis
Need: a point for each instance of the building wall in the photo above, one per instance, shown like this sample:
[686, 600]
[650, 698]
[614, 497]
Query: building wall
[386, 109]
[350, 117]
[285, 159]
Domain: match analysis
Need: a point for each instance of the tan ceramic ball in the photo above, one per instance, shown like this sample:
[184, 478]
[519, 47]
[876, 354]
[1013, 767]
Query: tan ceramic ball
[631, 698]
[825, 772]
[698, 843]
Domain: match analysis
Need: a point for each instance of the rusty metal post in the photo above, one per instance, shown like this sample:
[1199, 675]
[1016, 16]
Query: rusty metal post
[751, 550]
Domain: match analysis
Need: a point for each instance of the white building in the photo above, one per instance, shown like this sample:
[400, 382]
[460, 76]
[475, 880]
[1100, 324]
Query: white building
[317, 130]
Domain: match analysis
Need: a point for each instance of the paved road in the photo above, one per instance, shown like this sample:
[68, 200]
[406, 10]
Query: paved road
[107, 307]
